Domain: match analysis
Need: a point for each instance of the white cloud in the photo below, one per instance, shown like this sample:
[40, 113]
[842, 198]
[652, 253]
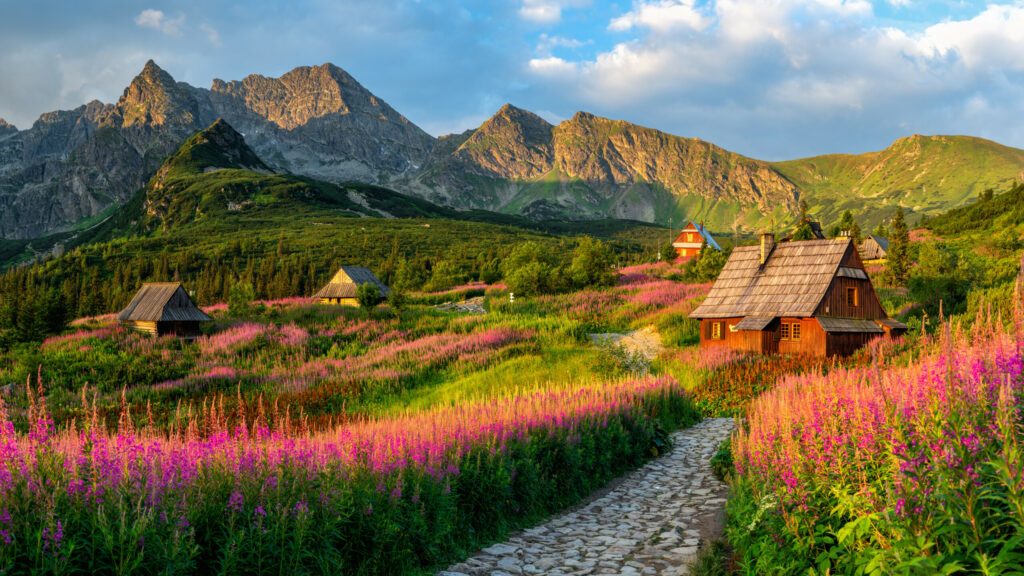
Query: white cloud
[157, 20]
[993, 39]
[211, 34]
[548, 11]
[552, 66]
[661, 16]
[817, 68]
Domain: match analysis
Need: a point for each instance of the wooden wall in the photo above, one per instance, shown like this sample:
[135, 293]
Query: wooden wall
[179, 329]
[846, 343]
[341, 301]
[812, 338]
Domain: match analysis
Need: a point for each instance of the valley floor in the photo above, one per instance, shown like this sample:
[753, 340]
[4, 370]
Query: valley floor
[652, 522]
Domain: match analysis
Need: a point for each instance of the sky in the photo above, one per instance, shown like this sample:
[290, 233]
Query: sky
[772, 79]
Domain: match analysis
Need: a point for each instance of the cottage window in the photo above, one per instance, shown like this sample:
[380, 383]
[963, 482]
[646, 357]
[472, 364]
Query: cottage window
[795, 331]
[785, 331]
[716, 330]
[851, 297]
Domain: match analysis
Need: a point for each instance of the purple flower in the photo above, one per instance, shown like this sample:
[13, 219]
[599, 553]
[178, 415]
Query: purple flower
[236, 501]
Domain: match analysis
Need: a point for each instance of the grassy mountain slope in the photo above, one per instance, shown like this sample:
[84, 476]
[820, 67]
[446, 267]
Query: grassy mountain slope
[924, 174]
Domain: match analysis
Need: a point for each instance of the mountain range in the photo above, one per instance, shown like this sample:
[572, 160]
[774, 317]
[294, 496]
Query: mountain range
[73, 168]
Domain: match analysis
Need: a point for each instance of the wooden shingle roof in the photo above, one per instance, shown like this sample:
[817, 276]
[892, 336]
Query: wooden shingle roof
[347, 279]
[792, 282]
[162, 302]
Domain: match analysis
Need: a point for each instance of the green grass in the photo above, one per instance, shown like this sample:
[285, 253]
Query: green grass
[550, 367]
[924, 174]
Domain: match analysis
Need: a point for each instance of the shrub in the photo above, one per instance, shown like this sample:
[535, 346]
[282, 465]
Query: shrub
[240, 299]
[368, 295]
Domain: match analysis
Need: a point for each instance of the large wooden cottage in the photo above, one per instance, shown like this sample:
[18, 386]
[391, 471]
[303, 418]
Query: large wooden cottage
[163, 308]
[343, 286]
[804, 297]
[691, 240]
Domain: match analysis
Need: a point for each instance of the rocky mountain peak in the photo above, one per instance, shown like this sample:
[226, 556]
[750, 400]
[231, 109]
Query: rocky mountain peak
[154, 99]
[6, 128]
[514, 143]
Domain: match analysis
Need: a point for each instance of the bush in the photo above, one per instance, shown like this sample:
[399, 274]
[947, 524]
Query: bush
[368, 295]
[240, 299]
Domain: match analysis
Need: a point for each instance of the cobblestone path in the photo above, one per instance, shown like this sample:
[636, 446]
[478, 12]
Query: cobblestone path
[652, 522]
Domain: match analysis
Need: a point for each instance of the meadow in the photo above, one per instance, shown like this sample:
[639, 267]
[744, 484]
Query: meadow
[302, 438]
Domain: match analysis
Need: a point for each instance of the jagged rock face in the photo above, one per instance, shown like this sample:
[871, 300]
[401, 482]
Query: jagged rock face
[319, 121]
[606, 151]
[590, 167]
[313, 121]
[513, 144]
[7, 129]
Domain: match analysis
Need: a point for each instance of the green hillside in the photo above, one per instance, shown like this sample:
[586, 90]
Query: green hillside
[924, 174]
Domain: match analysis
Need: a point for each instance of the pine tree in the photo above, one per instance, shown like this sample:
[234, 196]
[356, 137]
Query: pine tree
[898, 259]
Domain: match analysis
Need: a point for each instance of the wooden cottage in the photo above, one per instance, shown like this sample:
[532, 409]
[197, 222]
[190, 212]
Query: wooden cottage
[874, 248]
[805, 297]
[691, 240]
[342, 287]
[163, 308]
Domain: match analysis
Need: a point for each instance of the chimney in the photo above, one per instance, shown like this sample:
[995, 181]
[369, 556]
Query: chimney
[767, 245]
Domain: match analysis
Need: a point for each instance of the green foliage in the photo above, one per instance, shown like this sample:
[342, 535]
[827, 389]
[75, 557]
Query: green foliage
[721, 462]
[707, 265]
[444, 275]
[593, 264]
[667, 252]
[240, 298]
[531, 269]
[848, 224]
[368, 295]
[898, 259]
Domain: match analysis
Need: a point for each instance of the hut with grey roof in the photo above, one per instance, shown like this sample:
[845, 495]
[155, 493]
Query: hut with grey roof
[343, 287]
[163, 308]
[874, 248]
[805, 297]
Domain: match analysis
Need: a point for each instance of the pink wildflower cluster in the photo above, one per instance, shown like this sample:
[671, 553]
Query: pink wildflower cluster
[78, 336]
[391, 361]
[884, 432]
[96, 463]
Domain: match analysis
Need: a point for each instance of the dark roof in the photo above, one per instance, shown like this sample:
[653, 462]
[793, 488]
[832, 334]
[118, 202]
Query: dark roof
[162, 302]
[347, 279]
[792, 282]
[891, 323]
[857, 325]
[873, 247]
[755, 323]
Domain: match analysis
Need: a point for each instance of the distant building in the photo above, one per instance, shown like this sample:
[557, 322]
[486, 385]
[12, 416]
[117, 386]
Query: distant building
[163, 308]
[343, 286]
[690, 241]
[874, 248]
[800, 297]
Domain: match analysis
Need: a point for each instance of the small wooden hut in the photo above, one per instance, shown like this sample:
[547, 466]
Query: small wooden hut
[343, 286]
[802, 297]
[874, 248]
[163, 308]
[691, 240]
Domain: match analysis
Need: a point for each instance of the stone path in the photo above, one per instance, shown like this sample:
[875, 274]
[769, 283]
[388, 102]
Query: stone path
[652, 521]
